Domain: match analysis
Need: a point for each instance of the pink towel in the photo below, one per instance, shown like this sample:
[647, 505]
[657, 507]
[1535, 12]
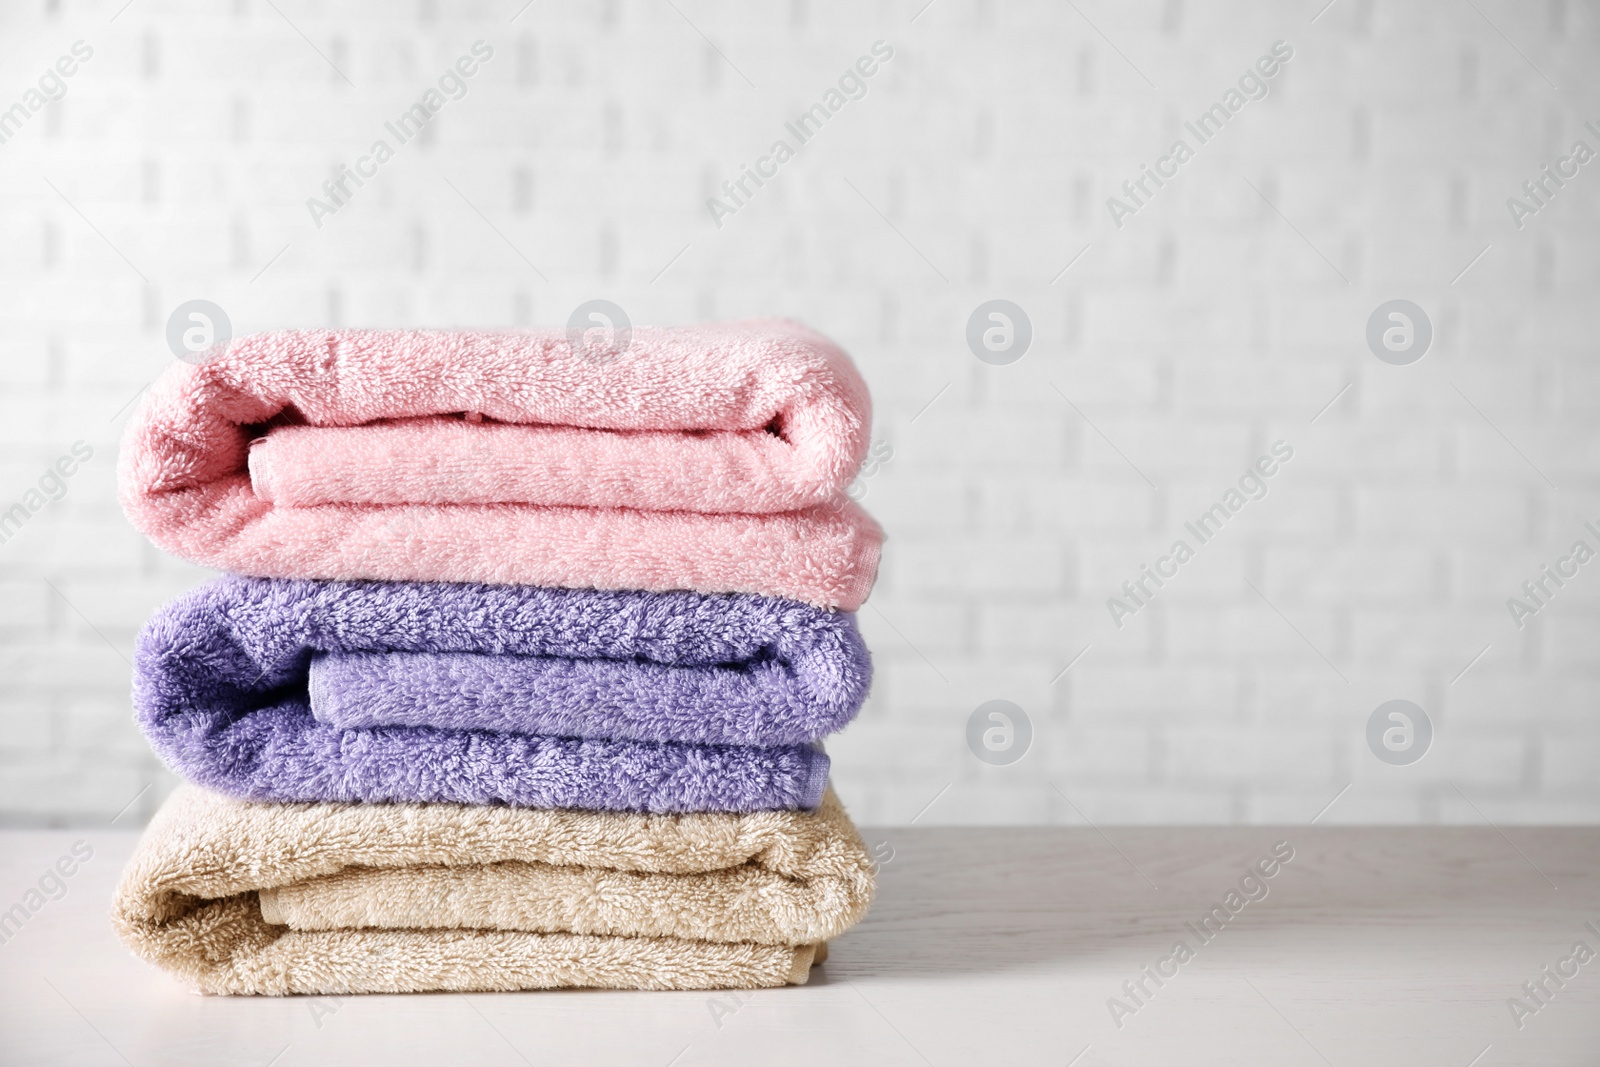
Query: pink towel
[711, 458]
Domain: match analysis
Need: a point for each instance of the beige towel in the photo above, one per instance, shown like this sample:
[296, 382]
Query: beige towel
[241, 897]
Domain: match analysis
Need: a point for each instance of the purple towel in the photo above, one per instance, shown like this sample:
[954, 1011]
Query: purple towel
[221, 680]
[782, 674]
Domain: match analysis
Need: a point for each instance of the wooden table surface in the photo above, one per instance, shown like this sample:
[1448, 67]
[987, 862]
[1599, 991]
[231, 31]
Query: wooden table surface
[1370, 946]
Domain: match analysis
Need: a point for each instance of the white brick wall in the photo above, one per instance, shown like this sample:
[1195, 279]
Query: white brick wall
[1203, 330]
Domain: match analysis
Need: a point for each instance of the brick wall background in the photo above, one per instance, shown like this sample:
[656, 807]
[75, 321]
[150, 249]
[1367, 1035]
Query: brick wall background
[1228, 313]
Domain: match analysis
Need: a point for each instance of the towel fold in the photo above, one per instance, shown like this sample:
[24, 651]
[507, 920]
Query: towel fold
[711, 458]
[755, 702]
[223, 688]
[240, 897]
[728, 669]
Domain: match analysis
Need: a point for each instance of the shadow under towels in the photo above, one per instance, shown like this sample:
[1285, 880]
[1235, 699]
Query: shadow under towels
[239, 897]
[297, 690]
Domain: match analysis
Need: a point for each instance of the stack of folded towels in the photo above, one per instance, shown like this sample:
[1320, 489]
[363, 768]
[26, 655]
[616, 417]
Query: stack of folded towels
[520, 677]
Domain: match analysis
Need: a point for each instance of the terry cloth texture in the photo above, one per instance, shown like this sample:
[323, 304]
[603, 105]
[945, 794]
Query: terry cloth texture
[721, 669]
[711, 458]
[702, 668]
[221, 675]
[239, 897]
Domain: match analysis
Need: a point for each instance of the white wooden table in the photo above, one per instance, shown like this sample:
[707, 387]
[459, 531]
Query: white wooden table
[1372, 946]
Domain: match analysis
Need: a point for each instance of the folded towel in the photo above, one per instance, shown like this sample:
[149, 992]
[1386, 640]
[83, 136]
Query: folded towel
[239, 897]
[711, 458]
[221, 687]
[746, 699]
[720, 669]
